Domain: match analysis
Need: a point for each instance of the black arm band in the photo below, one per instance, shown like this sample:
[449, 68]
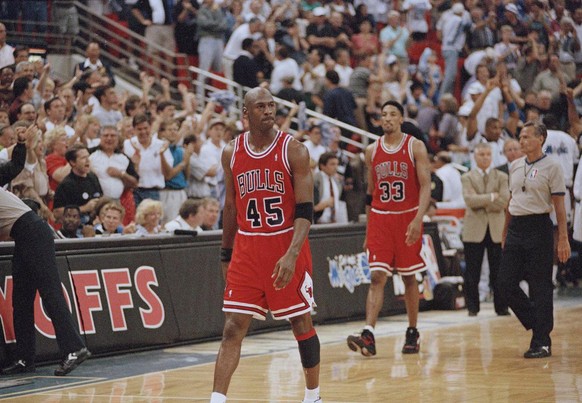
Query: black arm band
[368, 200]
[304, 210]
[225, 254]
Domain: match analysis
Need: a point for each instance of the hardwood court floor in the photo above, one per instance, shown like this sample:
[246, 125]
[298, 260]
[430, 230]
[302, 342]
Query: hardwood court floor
[462, 359]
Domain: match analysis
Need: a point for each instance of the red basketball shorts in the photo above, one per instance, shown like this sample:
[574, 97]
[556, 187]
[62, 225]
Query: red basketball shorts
[249, 286]
[386, 242]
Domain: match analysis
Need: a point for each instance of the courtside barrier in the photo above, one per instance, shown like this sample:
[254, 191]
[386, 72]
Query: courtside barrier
[134, 293]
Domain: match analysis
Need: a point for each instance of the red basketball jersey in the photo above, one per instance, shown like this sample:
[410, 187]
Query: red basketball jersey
[265, 201]
[396, 186]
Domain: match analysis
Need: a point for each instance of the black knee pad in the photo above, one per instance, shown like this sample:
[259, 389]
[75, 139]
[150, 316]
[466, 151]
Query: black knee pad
[309, 351]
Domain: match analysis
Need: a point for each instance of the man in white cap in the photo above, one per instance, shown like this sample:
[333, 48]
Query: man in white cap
[320, 33]
[486, 56]
[512, 17]
[451, 31]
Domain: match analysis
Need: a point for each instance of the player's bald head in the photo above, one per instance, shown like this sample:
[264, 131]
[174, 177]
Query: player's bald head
[256, 93]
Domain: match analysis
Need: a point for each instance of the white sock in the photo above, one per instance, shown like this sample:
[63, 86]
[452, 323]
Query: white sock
[369, 328]
[216, 397]
[311, 395]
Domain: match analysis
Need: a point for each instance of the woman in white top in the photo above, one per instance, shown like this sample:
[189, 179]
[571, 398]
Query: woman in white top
[147, 217]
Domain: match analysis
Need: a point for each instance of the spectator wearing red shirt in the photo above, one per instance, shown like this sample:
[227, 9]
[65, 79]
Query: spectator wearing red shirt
[56, 164]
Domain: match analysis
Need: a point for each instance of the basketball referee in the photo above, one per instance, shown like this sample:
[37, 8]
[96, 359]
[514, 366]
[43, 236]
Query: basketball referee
[536, 183]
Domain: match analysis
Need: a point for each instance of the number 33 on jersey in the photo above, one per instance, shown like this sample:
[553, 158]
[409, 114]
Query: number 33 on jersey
[396, 186]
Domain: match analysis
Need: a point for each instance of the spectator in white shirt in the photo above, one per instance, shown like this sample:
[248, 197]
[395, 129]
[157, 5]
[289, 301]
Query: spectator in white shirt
[144, 151]
[211, 152]
[563, 147]
[342, 67]
[113, 168]
[198, 169]
[452, 184]
[451, 31]
[107, 111]
[416, 11]
[256, 9]
[329, 207]
[190, 218]
[251, 29]
[55, 116]
[314, 146]
[313, 73]
[6, 51]
[284, 67]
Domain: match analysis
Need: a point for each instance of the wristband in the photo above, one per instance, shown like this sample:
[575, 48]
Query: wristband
[225, 254]
[368, 200]
[304, 210]
[511, 107]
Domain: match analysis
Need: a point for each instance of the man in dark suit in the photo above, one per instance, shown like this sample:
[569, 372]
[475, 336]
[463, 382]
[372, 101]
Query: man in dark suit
[245, 69]
[338, 102]
[486, 193]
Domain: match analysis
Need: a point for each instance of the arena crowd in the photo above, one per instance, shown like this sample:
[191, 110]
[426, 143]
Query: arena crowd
[466, 72]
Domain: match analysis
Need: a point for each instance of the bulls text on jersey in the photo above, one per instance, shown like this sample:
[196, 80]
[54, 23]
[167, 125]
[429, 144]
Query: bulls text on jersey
[391, 169]
[260, 179]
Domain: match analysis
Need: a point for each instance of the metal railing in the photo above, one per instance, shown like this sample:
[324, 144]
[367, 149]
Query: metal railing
[119, 44]
[240, 90]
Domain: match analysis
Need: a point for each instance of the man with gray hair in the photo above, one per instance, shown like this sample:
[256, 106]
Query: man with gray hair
[24, 69]
[486, 192]
[394, 37]
[114, 169]
[536, 183]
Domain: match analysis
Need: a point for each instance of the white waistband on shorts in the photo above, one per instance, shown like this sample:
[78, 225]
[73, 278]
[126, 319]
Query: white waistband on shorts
[394, 212]
[265, 233]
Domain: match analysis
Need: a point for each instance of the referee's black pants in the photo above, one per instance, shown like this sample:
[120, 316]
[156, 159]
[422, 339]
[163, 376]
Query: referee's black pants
[34, 267]
[528, 255]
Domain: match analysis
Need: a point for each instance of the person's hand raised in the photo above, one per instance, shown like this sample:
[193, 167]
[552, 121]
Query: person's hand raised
[88, 231]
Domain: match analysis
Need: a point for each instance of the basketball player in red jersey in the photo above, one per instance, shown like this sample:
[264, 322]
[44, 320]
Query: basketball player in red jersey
[265, 253]
[397, 198]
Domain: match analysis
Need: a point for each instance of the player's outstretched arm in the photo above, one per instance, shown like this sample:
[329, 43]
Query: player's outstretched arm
[370, 190]
[423, 174]
[229, 225]
[303, 188]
